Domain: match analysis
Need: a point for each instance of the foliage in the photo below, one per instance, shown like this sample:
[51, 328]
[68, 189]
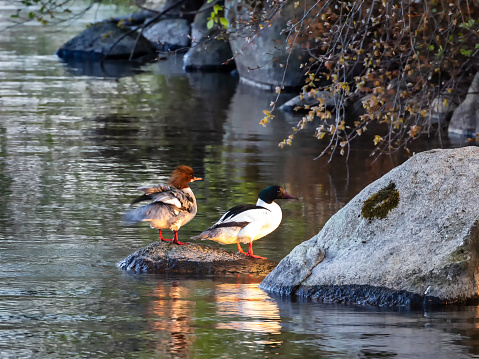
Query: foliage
[217, 17]
[395, 57]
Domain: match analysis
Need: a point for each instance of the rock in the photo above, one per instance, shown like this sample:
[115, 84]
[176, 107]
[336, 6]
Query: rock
[208, 56]
[166, 257]
[465, 119]
[199, 28]
[329, 101]
[424, 250]
[136, 18]
[169, 34]
[261, 55]
[97, 40]
[186, 9]
[442, 108]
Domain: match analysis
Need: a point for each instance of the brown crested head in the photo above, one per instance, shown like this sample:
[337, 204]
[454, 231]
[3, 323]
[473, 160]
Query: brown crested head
[181, 176]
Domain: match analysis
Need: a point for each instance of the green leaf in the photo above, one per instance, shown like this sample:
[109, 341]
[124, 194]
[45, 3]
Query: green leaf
[31, 14]
[431, 47]
[224, 22]
[217, 8]
[15, 15]
[210, 24]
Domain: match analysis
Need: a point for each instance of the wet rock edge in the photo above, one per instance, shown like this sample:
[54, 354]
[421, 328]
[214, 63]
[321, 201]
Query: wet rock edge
[366, 295]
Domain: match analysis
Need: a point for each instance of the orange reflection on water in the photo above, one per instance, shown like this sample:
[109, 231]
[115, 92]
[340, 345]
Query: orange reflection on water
[256, 311]
[173, 316]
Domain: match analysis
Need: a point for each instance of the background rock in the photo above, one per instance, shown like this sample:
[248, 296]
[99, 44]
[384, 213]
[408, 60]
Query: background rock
[97, 40]
[330, 101]
[465, 119]
[210, 55]
[162, 257]
[268, 50]
[169, 34]
[424, 251]
[207, 54]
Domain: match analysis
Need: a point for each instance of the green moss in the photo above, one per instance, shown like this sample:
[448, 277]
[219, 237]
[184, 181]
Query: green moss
[459, 255]
[380, 203]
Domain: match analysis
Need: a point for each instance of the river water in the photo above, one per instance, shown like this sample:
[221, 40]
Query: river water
[75, 142]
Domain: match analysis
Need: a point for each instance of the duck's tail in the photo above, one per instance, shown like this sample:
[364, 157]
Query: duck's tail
[136, 215]
[223, 235]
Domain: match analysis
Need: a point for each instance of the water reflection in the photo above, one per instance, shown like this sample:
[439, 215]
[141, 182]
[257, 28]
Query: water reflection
[249, 308]
[173, 314]
[183, 311]
[107, 68]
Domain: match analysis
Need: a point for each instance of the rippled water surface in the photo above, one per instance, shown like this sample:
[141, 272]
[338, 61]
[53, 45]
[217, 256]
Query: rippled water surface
[75, 142]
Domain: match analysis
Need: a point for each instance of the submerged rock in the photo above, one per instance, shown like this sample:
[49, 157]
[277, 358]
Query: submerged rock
[303, 103]
[166, 257]
[417, 245]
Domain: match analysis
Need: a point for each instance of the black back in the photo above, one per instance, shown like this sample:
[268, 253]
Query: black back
[241, 208]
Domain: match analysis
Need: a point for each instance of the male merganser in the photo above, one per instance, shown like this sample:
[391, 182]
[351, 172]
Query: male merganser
[248, 222]
[172, 206]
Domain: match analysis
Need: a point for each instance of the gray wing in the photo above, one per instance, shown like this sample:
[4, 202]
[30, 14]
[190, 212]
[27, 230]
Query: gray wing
[175, 197]
[156, 189]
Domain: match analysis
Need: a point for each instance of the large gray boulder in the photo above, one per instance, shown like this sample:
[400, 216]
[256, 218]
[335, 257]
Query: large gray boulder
[415, 242]
[166, 257]
[465, 119]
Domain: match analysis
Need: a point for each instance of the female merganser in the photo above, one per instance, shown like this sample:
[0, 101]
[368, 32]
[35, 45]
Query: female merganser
[172, 206]
[248, 222]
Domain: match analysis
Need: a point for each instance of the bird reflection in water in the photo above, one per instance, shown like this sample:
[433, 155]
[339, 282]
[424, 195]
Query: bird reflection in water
[179, 311]
[249, 308]
[173, 317]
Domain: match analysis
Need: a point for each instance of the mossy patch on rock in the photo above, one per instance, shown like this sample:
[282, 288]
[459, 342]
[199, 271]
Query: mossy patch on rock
[381, 203]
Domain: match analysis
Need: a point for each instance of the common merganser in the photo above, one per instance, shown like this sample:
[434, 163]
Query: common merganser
[172, 206]
[248, 222]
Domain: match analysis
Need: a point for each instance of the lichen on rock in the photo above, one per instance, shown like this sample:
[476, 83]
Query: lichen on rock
[381, 203]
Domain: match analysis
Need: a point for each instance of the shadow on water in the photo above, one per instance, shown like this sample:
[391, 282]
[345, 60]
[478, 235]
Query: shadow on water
[107, 68]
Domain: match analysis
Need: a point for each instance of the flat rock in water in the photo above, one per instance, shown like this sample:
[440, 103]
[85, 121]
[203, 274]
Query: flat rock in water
[166, 257]
[410, 238]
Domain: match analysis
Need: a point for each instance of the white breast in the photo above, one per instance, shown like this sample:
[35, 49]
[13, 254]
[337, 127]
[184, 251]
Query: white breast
[263, 224]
